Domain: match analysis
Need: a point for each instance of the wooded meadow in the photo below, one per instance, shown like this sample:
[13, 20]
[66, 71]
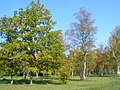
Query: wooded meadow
[32, 48]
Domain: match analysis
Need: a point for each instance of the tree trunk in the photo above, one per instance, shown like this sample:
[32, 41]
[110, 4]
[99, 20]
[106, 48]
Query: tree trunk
[25, 75]
[84, 66]
[84, 70]
[31, 82]
[101, 70]
[11, 79]
[81, 74]
[118, 69]
[117, 61]
[89, 73]
[72, 73]
[36, 74]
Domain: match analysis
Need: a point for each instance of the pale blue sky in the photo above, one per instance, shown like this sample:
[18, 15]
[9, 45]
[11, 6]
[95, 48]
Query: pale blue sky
[105, 12]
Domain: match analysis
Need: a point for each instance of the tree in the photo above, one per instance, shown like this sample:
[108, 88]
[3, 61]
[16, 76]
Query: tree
[91, 62]
[82, 34]
[29, 39]
[65, 71]
[75, 59]
[10, 47]
[101, 59]
[51, 57]
[114, 44]
[38, 40]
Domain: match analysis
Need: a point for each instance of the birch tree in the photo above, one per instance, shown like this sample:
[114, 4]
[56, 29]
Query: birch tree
[114, 43]
[81, 34]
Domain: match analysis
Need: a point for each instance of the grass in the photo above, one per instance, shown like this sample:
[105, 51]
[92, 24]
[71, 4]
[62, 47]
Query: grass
[91, 83]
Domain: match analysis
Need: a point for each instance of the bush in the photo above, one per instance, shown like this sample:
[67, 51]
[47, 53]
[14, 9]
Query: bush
[46, 73]
[2, 73]
[65, 72]
[63, 76]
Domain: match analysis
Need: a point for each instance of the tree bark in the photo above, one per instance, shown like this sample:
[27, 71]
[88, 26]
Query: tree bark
[31, 77]
[101, 70]
[36, 74]
[11, 79]
[31, 82]
[118, 69]
[84, 66]
[84, 70]
[25, 75]
[72, 73]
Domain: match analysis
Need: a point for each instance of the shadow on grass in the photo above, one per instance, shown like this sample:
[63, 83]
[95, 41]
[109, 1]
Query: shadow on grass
[104, 75]
[5, 81]
[79, 80]
[23, 81]
[74, 79]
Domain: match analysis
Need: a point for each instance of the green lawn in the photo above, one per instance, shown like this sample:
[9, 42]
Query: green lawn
[92, 83]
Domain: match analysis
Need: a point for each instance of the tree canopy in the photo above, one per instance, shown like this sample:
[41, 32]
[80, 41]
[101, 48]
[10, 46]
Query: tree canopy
[29, 40]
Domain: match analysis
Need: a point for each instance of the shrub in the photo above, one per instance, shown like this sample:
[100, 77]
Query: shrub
[65, 72]
[46, 73]
[2, 73]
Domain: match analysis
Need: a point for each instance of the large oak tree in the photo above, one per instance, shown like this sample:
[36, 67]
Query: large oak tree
[29, 40]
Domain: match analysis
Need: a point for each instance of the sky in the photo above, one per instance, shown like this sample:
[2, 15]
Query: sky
[105, 12]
